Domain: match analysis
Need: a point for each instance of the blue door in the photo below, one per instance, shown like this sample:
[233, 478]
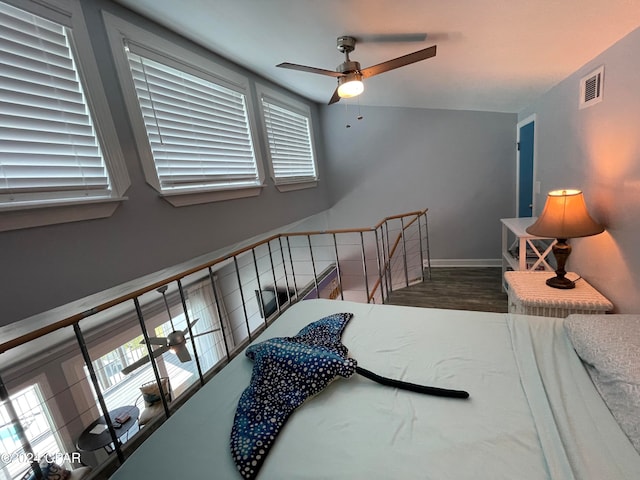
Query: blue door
[525, 178]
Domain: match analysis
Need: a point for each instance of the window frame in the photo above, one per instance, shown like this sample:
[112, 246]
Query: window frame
[120, 31]
[26, 214]
[41, 389]
[288, 103]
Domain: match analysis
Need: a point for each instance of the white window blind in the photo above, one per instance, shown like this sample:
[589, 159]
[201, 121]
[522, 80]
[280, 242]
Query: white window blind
[290, 146]
[198, 130]
[48, 145]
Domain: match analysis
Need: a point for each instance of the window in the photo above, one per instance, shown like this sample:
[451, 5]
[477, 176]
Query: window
[113, 354]
[289, 136]
[198, 131]
[191, 118]
[38, 428]
[51, 147]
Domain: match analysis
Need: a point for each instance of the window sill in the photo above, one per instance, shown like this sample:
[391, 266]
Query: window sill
[196, 197]
[289, 187]
[19, 216]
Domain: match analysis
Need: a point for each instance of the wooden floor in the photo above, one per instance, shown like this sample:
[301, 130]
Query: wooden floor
[458, 288]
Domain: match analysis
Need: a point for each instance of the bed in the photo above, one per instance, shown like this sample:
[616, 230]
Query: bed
[533, 412]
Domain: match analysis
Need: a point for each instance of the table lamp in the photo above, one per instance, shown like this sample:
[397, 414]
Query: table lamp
[564, 216]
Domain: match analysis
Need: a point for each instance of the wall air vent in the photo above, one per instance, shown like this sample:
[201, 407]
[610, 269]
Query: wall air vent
[591, 88]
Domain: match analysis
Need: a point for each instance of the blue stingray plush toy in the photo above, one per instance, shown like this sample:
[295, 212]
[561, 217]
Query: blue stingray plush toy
[287, 371]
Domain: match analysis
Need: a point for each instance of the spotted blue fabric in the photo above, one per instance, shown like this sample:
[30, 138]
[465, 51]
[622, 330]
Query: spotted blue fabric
[287, 371]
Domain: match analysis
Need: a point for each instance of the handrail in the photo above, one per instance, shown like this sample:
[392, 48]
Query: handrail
[356, 230]
[392, 251]
[232, 285]
[75, 318]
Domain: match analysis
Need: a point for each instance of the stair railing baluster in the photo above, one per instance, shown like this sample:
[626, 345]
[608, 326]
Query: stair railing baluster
[244, 307]
[313, 266]
[426, 235]
[152, 359]
[212, 280]
[255, 266]
[335, 248]
[380, 266]
[364, 266]
[284, 268]
[96, 385]
[273, 274]
[191, 337]
[404, 252]
[388, 270]
[293, 272]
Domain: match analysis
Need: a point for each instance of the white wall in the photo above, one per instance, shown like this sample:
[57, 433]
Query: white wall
[597, 149]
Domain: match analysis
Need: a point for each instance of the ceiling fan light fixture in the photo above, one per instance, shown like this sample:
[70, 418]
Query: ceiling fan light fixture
[350, 85]
[349, 73]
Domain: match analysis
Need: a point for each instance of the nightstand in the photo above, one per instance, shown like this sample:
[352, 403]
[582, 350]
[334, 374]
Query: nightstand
[530, 295]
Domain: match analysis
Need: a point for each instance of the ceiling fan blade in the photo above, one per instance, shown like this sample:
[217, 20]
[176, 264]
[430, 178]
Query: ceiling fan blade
[140, 362]
[391, 37]
[304, 68]
[156, 341]
[135, 365]
[182, 353]
[335, 97]
[186, 330]
[399, 62]
[205, 333]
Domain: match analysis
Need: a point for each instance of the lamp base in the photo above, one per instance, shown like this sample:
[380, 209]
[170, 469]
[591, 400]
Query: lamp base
[561, 251]
[561, 282]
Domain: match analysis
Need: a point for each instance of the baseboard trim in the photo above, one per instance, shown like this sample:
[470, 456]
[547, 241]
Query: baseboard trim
[466, 262]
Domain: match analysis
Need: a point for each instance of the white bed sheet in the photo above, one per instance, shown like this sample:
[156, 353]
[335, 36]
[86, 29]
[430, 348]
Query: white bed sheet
[521, 421]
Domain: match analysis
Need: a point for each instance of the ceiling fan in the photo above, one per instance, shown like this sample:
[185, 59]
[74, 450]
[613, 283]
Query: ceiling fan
[349, 73]
[174, 342]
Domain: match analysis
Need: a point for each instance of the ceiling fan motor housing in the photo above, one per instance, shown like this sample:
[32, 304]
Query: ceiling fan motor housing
[175, 338]
[346, 44]
[348, 67]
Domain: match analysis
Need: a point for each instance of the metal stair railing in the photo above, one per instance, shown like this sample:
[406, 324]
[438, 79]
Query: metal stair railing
[363, 264]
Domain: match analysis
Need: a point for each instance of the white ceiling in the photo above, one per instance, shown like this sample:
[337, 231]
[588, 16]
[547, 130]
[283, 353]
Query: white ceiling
[493, 55]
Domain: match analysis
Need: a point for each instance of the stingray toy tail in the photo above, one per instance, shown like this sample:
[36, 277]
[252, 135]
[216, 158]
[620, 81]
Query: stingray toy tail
[441, 392]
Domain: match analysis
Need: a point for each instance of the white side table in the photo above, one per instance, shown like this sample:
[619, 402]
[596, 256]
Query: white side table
[518, 259]
[530, 295]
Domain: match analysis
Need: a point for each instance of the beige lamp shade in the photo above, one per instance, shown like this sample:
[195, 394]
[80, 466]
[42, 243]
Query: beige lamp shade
[565, 216]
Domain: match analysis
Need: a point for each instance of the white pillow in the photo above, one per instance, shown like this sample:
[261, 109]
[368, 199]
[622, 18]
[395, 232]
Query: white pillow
[609, 345]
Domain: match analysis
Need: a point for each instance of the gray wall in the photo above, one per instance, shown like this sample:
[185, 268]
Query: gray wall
[458, 164]
[49, 266]
[597, 149]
